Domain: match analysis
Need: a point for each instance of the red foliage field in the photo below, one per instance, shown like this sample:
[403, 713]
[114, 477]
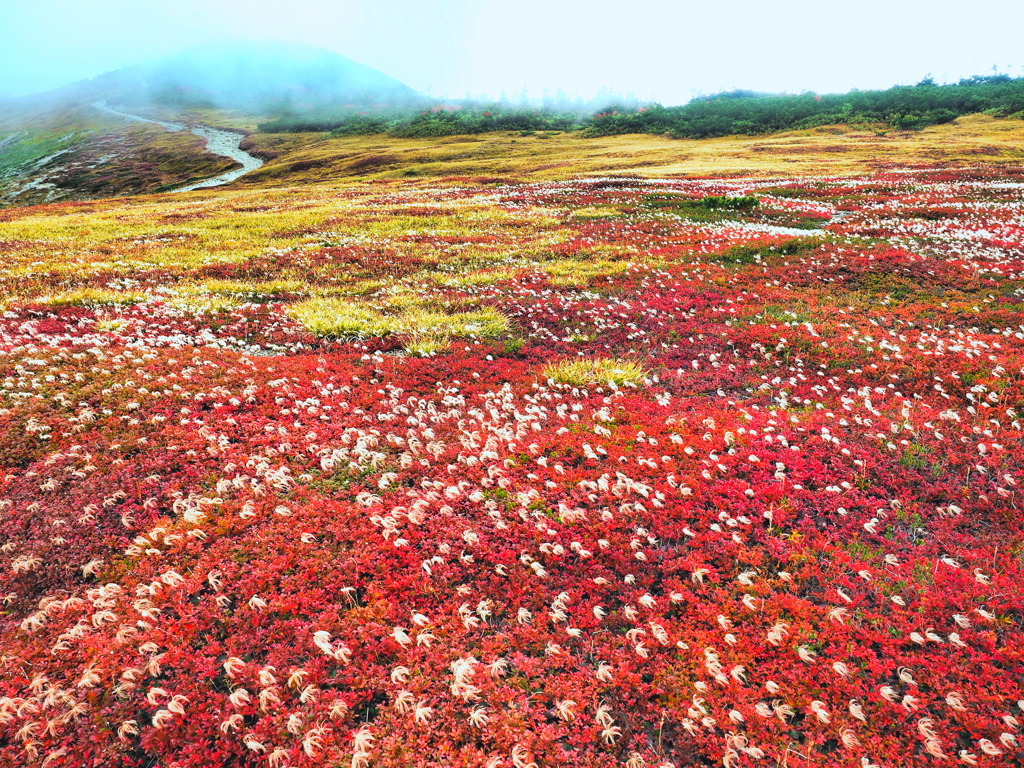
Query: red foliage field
[794, 539]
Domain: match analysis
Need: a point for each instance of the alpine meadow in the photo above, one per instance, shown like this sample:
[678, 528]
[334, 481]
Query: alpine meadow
[349, 426]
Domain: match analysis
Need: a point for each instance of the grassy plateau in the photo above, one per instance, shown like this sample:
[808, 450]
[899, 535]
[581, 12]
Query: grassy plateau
[519, 451]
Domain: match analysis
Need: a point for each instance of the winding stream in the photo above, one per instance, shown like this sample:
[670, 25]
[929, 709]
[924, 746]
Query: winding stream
[218, 142]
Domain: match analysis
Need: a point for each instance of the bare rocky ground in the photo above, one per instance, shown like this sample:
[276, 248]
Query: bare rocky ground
[142, 157]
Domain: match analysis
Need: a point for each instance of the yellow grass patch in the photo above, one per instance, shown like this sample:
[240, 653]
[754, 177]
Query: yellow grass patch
[111, 325]
[425, 346]
[196, 298]
[825, 150]
[93, 297]
[569, 272]
[471, 279]
[176, 232]
[256, 291]
[592, 372]
[340, 318]
[483, 322]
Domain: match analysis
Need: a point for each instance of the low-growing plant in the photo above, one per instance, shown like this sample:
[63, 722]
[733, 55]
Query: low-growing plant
[426, 345]
[337, 318]
[710, 208]
[569, 272]
[111, 325]
[94, 297]
[589, 372]
[257, 291]
[227, 541]
[738, 203]
[470, 279]
[485, 323]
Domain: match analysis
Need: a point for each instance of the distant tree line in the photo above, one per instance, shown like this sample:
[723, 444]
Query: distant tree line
[738, 112]
[743, 112]
[432, 122]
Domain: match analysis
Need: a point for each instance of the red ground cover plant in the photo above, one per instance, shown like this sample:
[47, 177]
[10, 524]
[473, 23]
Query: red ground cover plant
[795, 540]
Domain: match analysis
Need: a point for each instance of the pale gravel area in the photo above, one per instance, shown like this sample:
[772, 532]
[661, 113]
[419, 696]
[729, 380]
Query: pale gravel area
[218, 142]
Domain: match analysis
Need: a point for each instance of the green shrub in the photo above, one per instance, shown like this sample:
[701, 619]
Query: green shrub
[732, 203]
[746, 112]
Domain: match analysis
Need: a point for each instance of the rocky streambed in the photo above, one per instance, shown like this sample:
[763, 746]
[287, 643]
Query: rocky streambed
[218, 142]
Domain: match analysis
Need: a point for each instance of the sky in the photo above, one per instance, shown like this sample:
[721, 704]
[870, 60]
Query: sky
[658, 50]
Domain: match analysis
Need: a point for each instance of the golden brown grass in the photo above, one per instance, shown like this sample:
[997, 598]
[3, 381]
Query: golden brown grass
[181, 232]
[481, 243]
[176, 232]
[312, 158]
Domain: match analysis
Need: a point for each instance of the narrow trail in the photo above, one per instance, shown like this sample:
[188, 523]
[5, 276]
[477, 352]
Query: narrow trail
[218, 142]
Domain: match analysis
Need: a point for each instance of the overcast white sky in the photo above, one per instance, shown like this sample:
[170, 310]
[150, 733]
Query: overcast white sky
[665, 50]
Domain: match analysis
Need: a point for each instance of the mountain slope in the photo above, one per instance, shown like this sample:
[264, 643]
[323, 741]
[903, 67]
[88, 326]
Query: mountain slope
[58, 146]
[255, 76]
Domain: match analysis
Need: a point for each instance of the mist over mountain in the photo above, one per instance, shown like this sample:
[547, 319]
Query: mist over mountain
[254, 77]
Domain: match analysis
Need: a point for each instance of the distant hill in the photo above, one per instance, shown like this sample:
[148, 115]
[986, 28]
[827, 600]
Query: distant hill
[258, 77]
[58, 146]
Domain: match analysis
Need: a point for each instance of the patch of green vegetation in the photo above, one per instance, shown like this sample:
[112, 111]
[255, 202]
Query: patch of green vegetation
[784, 314]
[741, 203]
[341, 318]
[922, 574]
[747, 112]
[596, 212]
[28, 147]
[743, 255]
[511, 347]
[877, 284]
[970, 376]
[569, 272]
[497, 494]
[916, 457]
[539, 505]
[754, 253]
[240, 556]
[711, 208]
[722, 114]
[861, 550]
[420, 123]
[797, 246]
[342, 478]
[484, 322]
[427, 345]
